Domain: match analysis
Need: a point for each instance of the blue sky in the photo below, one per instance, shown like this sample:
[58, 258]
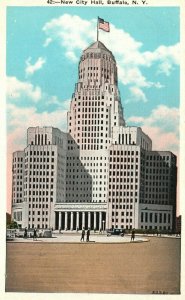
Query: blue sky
[143, 85]
[44, 45]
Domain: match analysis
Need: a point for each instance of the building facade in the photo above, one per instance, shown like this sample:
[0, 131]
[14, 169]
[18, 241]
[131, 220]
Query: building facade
[101, 173]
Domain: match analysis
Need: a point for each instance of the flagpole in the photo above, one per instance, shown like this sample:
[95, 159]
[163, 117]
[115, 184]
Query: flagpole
[97, 28]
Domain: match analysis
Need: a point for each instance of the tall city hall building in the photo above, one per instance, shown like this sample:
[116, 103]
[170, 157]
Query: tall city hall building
[100, 174]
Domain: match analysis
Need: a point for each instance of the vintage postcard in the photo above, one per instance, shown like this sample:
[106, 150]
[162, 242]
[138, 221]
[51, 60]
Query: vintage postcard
[92, 148]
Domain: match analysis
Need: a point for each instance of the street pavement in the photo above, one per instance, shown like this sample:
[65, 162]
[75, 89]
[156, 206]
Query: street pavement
[108, 265]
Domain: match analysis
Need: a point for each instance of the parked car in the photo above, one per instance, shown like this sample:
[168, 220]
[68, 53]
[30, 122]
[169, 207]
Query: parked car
[46, 233]
[10, 234]
[116, 231]
[20, 233]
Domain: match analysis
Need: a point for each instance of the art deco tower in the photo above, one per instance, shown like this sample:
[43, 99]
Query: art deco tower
[95, 109]
[96, 105]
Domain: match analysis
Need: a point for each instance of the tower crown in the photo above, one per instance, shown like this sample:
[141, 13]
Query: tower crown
[97, 46]
[97, 66]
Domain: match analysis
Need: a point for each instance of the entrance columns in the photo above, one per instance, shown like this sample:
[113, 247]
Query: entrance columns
[89, 219]
[100, 220]
[71, 220]
[65, 220]
[77, 220]
[95, 220]
[59, 221]
[83, 219]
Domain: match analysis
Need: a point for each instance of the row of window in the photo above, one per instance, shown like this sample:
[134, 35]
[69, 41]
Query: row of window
[19, 159]
[38, 226]
[122, 220]
[18, 195]
[154, 157]
[17, 177]
[156, 189]
[121, 152]
[121, 173]
[158, 171]
[95, 68]
[119, 193]
[17, 183]
[122, 206]
[125, 159]
[39, 205]
[40, 159]
[39, 173]
[89, 97]
[156, 227]
[125, 166]
[121, 187]
[39, 186]
[17, 189]
[155, 217]
[38, 219]
[17, 171]
[77, 195]
[91, 106]
[92, 134]
[40, 179]
[128, 213]
[43, 199]
[38, 212]
[93, 147]
[45, 153]
[40, 193]
[39, 166]
[97, 55]
[91, 109]
[89, 75]
[157, 164]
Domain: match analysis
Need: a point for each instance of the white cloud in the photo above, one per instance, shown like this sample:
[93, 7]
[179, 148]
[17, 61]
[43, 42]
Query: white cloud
[17, 89]
[32, 68]
[136, 95]
[74, 34]
[72, 56]
[165, 68]
[26, 117]
[47, 42]
[162, 125]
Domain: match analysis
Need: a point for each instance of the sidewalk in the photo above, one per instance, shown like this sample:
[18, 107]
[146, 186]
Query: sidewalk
[74, 237]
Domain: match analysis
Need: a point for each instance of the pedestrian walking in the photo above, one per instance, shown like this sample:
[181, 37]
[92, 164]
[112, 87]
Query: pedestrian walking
[83, 235]
[35, 234]
[25, 233]
[88, 234]
[133, 235]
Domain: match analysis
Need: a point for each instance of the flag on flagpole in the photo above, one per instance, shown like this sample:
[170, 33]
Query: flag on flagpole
[103, 25]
